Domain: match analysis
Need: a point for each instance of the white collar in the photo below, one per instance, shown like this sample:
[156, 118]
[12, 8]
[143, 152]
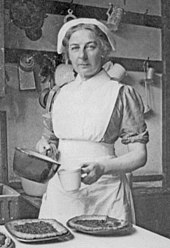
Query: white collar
[98, 78]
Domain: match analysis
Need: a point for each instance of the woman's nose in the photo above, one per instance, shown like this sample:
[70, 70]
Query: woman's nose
[82, 53]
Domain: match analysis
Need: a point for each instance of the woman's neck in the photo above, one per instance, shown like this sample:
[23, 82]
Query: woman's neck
[86, 77]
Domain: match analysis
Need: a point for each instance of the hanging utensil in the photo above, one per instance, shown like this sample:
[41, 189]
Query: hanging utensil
[147, 88]
[147, 97]
[114, 14]
[29, 16]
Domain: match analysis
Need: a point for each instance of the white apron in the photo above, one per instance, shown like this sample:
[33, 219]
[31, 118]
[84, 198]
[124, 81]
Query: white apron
[80, 115]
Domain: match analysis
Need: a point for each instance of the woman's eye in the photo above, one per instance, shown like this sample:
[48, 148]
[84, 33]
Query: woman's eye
[91, 47]
[74, 48]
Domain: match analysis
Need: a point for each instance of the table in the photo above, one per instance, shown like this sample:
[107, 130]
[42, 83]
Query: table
[140, 238]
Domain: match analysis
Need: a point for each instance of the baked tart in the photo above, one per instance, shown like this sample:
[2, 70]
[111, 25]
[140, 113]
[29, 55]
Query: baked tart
[34, 230]
[99, 225]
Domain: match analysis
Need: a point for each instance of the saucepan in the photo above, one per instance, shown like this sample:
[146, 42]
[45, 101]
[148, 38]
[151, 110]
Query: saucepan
[33, 165]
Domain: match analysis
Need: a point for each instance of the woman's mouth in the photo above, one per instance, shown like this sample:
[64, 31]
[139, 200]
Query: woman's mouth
[83, 65]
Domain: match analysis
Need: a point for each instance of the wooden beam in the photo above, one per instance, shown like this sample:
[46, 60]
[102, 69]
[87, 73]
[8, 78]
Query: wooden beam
[61, 8]
[13, 55]
[166, 92]
[132, 64]
[3, 144]
[2, 71]
[148, 178]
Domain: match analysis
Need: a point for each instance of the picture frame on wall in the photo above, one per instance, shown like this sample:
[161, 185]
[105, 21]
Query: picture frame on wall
[26, 80]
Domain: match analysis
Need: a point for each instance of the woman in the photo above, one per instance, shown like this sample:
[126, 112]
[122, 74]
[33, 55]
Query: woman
[88, 115]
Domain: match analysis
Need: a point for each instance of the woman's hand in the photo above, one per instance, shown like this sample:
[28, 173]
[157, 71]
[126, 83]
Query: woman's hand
[91, 172]
[45, 148]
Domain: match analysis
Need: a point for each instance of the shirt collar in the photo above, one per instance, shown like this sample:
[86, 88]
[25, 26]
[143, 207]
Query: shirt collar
[97, 79]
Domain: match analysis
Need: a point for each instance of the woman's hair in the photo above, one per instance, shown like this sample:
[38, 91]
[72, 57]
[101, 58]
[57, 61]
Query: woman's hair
[105, 45]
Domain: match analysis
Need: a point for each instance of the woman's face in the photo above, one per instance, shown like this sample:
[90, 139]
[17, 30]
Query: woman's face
[85, 53]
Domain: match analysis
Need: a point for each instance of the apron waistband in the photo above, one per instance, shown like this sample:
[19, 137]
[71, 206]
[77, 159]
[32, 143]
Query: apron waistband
[75, 152]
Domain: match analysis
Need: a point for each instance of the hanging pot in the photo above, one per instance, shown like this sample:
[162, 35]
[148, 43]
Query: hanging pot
[43, 97]
[33, 34]
[29, 15]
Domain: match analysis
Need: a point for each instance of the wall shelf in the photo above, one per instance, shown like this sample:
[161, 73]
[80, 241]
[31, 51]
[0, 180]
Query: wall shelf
[61, 8]
[13, 55]
[131, 64]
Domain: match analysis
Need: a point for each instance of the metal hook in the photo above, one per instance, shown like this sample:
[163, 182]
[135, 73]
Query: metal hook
[145, 16]
[70, 11]
[110, 9]
[146, 64]
[69, 16]
[146, 12]
[71, 3]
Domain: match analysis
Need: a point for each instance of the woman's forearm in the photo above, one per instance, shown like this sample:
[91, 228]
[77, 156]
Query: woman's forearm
[134, 159]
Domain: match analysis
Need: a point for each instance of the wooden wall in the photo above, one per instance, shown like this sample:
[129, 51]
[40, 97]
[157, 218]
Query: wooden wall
[139, 36]
[133, 48]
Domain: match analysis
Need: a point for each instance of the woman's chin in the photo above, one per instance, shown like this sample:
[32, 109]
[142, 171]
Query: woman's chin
[86, 74]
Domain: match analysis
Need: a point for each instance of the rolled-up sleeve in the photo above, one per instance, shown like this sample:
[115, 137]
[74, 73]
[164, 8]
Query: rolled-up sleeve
[133, 126]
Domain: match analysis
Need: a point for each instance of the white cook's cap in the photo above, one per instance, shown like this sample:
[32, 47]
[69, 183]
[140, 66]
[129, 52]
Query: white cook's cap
[74, 22]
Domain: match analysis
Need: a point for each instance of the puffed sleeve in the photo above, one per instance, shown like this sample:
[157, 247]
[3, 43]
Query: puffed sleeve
[133, 127]
[48, 133]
